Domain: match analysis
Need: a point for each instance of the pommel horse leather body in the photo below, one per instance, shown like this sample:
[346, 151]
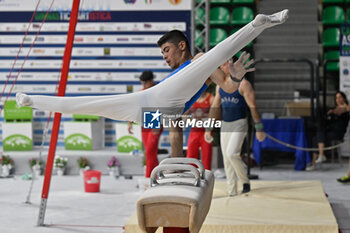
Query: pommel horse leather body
[179, 196]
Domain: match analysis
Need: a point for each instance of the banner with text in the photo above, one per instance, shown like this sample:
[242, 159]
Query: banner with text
[344, 59]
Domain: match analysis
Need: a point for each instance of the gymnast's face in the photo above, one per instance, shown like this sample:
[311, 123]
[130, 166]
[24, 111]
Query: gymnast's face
[173, 54]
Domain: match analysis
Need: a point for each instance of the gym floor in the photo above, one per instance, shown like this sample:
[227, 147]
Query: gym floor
[70, 209]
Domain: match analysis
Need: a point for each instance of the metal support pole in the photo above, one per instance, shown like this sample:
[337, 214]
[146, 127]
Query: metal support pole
[57, 118]
[207, 25]
[324, 87]
[193, 26]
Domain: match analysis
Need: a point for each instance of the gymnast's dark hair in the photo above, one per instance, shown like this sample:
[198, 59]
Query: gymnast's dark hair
[146, 75]
[174, 37]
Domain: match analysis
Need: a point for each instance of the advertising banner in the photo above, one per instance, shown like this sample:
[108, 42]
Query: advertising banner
[122, 5]
[127, 142]
[84, 135]
[17, 136]
[115, 42]
[344, 59]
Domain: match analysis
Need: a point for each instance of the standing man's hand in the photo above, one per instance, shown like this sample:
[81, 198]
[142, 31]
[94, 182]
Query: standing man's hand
[208, 137]
[260, 136]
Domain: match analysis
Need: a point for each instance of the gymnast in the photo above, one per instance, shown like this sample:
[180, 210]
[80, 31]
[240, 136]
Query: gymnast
[174, 92]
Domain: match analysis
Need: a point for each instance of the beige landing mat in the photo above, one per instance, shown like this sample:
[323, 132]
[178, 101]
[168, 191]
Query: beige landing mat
[271, 207]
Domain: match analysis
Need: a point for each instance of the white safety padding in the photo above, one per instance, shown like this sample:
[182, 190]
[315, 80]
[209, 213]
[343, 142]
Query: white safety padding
[179, 196]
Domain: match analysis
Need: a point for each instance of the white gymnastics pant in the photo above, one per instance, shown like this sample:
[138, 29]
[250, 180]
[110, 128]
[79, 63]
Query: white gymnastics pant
[172, 93]
[231, 139]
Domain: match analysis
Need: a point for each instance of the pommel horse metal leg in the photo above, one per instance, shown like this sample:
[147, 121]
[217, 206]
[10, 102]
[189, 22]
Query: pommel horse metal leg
[178, 199]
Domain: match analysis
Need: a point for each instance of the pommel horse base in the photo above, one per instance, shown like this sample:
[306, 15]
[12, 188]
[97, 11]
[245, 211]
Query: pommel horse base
[178, 199]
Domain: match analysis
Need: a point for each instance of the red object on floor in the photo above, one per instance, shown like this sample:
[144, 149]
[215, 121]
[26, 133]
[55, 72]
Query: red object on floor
[92, 181]
[175, 230]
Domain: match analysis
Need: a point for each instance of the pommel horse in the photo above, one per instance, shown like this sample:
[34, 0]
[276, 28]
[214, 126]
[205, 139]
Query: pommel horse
[178, 199]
